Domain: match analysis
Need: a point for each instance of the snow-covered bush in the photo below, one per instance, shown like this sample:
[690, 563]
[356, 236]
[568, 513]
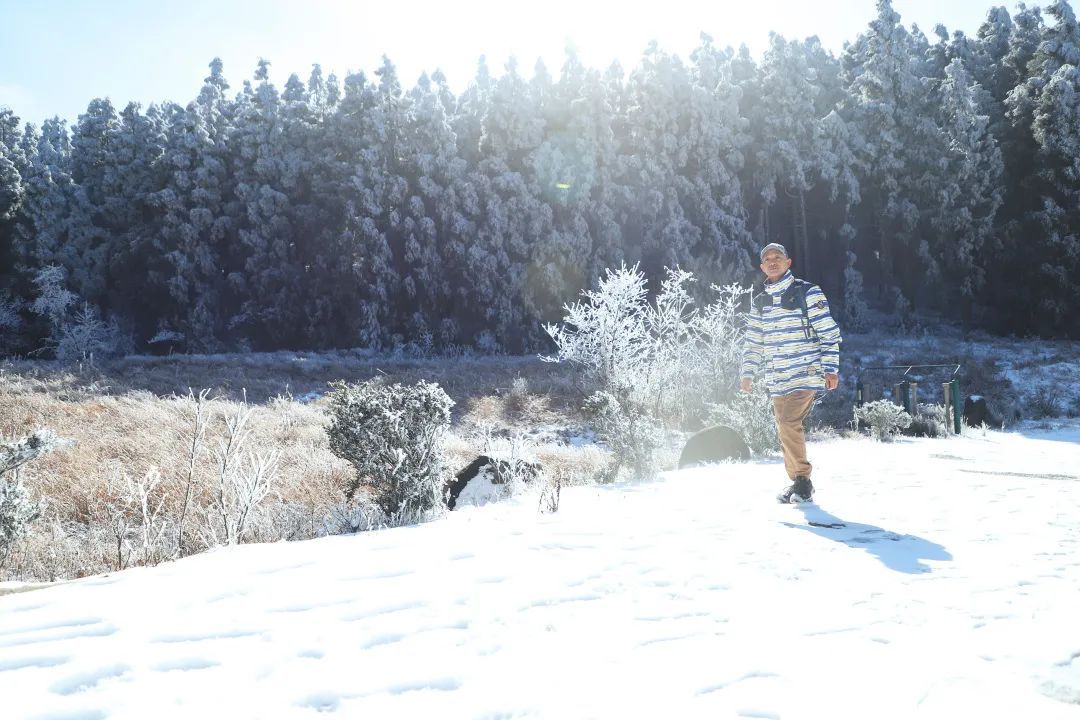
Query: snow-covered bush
[884, 417]
[75, 336]
[9, 315]
[53, 298]
[629, 432]
[751, 415]
[649, 362]
[661, 354]
[243, 478]
[17, 509]
[717, 350]
[902, 312]
[392, 435]
[1044, 404]
[10, 323]
[930, 421]
[86, 336]
[854, 308]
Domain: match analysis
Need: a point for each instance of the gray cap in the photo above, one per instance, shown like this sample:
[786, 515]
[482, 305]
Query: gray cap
[773, 246]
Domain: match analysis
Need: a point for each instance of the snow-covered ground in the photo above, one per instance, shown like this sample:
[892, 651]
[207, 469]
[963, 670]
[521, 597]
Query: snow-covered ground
[951, 591]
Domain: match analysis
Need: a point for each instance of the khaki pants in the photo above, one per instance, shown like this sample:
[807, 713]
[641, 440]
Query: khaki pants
[791, 411]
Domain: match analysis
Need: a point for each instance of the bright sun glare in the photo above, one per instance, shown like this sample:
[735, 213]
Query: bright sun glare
[452, 36]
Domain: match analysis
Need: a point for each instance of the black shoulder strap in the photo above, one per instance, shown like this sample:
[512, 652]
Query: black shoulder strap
[799, 287]
[761, 297]
[798, 290]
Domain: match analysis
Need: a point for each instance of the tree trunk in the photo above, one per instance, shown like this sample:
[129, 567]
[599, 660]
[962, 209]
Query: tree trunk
[804, 240]
[884, 262]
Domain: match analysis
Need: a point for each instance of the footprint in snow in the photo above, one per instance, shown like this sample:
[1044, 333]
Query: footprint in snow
[383, 639]
[283, 568]
[77, 622]
[385, 610]
[303, 607]
[80, 682]
[184, 664]
[32, 662]
[321, 702]
[445, 684]
[199, 637]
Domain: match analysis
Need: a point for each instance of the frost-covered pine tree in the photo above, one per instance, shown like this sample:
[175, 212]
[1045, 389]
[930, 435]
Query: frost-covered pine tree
[136, 292]
[48, 211]
[994, 40]
[577, 170]
[788, 148]
[656, 232]
[11, 185]
[12, 194]
[971, 195]
[567, 168]
[684, 206]
[13, 163]
[437, 228]
[371, 280]
[413, 188]
[710, 192]
[512, 214]
[1045, 111]
[271, 166]
[98, 204]
[191, 232]
[887, 98]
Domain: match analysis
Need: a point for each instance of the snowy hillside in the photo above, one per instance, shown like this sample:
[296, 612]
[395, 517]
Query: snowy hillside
[950, 592]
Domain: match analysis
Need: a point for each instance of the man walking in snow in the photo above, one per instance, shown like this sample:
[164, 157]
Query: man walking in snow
[792, 339]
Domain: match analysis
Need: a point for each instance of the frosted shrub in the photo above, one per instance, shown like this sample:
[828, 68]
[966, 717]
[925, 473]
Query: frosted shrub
[53, 298]
[751, 415]
[76, 336]
[607, 336]
[244, 478]
[1044, 404]
[392, 435]
[902, 311]
[855, 309]
[85, 337]
[631, 435]
[716, 354]
[9, 315]
[930, 421]
[884, 418]
[650, 362]
[17, 509]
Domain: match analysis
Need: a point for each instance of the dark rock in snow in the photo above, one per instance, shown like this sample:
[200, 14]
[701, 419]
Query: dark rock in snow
[713, 444]
[498, 471]
[976, 412]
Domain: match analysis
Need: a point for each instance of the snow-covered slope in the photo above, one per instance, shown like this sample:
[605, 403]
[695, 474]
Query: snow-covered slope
[952, 591]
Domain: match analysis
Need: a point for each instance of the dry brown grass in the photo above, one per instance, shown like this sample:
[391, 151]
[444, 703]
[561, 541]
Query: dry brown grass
[260, 377]
[136, 416]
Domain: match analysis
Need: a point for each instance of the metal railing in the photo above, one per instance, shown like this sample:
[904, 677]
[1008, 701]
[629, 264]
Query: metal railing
[907, 390]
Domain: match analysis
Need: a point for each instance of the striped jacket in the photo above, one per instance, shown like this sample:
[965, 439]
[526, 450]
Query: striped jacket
[779, 343]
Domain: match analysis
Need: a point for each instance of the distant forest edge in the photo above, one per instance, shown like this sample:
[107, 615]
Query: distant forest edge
[939, 173]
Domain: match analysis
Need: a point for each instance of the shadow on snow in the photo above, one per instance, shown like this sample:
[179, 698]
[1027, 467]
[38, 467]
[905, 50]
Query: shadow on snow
[900, 552]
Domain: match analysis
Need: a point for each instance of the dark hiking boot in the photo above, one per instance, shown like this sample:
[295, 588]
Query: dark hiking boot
[800, 491]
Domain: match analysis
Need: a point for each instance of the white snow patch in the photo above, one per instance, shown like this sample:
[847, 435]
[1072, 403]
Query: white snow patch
[949, 591]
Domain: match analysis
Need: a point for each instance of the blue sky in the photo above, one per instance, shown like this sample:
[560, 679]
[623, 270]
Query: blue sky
[57, 55]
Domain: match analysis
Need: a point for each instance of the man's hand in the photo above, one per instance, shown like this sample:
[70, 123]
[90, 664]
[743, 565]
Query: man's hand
[744, 385]
[832, 381]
